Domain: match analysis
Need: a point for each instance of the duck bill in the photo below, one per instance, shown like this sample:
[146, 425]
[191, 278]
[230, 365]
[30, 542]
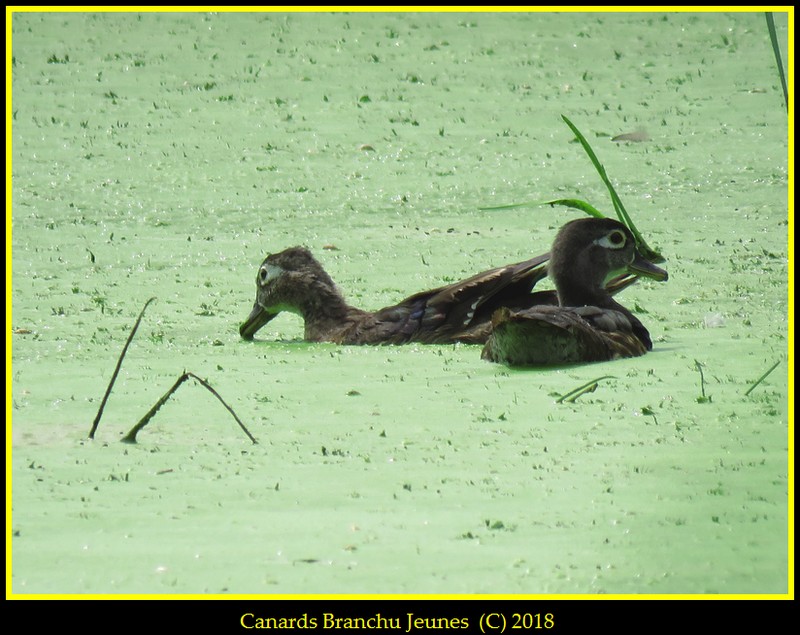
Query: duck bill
[643, 267]
[619, 283]
[258, 317]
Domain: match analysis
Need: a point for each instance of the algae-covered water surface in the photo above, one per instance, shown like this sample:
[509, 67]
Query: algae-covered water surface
[164, 154]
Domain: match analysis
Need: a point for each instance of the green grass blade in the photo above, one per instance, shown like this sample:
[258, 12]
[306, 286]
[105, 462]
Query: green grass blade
[568, 202]
[581, 389]
[511, 206]
[622, 213]
[773, 36]
[577, 204]
[762, 378]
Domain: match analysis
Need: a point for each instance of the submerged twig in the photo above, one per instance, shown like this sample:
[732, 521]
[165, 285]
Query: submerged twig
[762, 378]
[131, 436]
[589, 386]
[96, 421]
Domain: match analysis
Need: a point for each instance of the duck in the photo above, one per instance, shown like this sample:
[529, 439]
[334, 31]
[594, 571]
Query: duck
[586, 324]
[294, 281]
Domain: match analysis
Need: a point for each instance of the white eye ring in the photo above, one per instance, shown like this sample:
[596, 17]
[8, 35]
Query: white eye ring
[612, 240]
[268, 273]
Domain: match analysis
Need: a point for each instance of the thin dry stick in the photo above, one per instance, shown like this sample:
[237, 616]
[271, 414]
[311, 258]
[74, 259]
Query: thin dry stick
[131, 436]
[116, 370]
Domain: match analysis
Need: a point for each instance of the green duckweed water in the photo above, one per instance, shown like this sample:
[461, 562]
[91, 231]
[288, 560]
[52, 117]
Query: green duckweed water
[165, 154]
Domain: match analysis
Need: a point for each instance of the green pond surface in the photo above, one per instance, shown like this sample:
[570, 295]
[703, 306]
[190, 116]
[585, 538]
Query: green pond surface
[165, 154]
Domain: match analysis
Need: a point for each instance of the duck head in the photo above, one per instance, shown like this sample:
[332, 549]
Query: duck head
[291, 280]
[588, 253]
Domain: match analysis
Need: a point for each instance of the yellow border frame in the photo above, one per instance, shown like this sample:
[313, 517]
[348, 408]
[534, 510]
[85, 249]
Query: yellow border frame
[335, 9]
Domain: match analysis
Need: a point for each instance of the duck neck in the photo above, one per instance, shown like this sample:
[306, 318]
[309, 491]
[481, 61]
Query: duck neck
[325, 312]
[580, 286]
[584, 297]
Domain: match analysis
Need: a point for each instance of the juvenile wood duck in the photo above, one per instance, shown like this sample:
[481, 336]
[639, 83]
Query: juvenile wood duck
[293, 280]
[587, 324]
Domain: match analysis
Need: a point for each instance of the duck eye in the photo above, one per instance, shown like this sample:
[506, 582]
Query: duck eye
[268, 273]
[616, 238]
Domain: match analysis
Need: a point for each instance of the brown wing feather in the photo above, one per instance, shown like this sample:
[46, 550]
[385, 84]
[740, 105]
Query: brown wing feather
[442, 314]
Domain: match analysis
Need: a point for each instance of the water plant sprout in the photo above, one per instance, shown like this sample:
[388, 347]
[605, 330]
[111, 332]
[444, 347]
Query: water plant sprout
[646, 251]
